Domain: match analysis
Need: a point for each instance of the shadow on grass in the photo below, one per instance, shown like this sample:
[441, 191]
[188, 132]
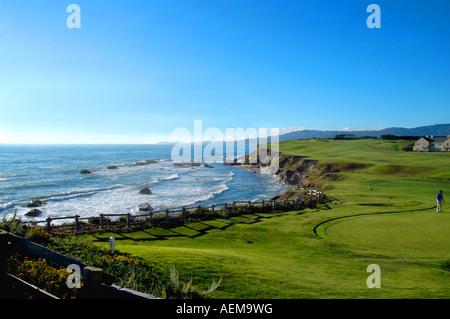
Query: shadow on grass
[190, 230]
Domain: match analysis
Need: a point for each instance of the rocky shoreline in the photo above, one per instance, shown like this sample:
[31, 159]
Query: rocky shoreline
[297, 172]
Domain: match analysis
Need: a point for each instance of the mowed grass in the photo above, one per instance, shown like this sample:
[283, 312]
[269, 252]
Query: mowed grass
[384, 156]
[394, 235]
[377, 215]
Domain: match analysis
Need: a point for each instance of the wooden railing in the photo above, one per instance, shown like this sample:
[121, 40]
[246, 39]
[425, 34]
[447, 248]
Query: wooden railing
[80, 224]
[97, 284]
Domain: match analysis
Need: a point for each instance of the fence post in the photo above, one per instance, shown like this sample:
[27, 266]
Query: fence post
[49, 224]
[167, 215]
[92, 282]
[4, 248]
[212, 208]
[198, 214]
[77, 223]
[112, 243]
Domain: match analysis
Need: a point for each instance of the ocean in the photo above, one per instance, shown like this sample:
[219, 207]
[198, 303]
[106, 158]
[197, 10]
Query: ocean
[51, 173]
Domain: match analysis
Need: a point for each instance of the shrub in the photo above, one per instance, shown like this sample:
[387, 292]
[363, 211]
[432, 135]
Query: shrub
[38, 235]
[96, 220]
[13, 225]
[41, 274]
[408, 147]
[183, 288]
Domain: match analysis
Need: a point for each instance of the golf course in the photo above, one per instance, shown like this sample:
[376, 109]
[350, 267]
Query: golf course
[381, 210]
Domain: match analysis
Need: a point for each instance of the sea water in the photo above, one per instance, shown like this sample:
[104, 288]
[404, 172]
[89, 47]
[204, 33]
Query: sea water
[52, 173]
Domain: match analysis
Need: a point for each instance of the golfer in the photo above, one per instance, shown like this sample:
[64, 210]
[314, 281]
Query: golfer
[439, 200]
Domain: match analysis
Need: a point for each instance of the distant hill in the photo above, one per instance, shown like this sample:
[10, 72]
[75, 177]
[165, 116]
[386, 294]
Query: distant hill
[437, 130]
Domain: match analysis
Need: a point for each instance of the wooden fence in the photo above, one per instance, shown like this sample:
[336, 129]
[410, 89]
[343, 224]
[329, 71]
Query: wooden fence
[97, 284]
[79, 224]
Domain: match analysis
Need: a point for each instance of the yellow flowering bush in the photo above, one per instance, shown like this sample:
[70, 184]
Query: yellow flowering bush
[129, 271]
[41, 274]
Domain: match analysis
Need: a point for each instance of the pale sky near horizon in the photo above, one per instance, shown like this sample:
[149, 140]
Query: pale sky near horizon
[137, 70]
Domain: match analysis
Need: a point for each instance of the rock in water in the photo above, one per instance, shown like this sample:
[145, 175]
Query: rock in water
[145, 191]
[145, 207]
[146, 162]
[112, 167]
[187, 164]
[36, 203]
[85, 171]
[33, 213]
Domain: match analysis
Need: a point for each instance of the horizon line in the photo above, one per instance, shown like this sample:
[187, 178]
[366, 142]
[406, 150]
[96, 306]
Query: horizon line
[166, 139]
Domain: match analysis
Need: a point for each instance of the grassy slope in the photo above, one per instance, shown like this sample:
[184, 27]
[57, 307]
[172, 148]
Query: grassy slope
[381, 214]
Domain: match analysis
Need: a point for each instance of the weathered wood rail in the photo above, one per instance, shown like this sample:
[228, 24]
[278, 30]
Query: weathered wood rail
[97, 284]
[79, 224]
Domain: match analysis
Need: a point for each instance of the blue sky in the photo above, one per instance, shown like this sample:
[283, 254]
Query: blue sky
[136, 70]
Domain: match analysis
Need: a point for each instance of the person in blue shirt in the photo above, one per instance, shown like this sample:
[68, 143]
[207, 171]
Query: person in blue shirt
[439, 200]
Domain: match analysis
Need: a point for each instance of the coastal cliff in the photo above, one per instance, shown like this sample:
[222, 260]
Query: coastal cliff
[301, 172]
[297, 172]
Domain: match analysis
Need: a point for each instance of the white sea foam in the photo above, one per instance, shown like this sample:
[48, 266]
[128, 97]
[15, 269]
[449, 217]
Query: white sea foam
[230, 177]
[153, 180]
[173, 176]
[108, 191]
[6, 206]
[80, 193]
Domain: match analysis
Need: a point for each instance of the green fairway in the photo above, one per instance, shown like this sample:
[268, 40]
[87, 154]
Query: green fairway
[382, 213]
[414, 235]
[374, 151]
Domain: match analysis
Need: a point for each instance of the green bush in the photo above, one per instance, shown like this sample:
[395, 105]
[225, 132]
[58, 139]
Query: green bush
[13, 225]
[96, 220]
[38, 235]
